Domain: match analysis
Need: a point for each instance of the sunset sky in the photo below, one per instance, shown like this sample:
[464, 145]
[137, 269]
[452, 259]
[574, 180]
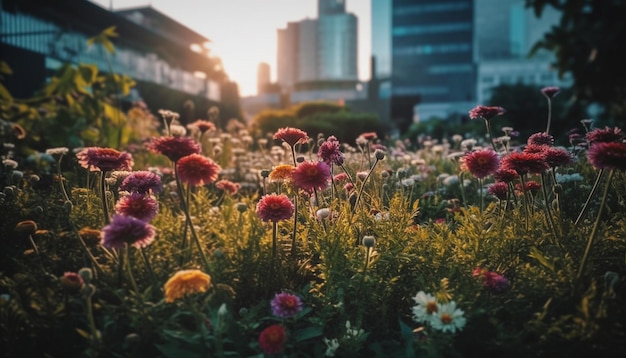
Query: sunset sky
[243, 32]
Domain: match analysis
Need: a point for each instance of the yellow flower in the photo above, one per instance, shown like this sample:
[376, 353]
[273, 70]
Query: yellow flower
[186, 282]
[282, 173]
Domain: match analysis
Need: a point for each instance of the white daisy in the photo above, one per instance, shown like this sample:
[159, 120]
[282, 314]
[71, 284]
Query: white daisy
[448, 318]
[426, 306]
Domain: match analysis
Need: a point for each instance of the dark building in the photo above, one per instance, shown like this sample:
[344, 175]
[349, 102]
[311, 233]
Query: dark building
[432, 56]
[167, 60]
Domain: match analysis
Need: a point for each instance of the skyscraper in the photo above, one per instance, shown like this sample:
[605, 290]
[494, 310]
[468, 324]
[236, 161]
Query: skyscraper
[262, 77]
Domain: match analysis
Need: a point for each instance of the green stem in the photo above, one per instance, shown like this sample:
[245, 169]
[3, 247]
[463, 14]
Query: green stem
[369, 173]
[594, 231]
[274, 239]
[129, 271]
[547, 208]
[103, 196]
[549, 116]
[295, 223]
[63, 191]
[591, 193]
[493, 144]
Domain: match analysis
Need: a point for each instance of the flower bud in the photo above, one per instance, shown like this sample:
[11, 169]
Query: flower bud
[369, 241]
[86, 273]
[379, 154]
[242, 207]
[72, 282]
[27, 227]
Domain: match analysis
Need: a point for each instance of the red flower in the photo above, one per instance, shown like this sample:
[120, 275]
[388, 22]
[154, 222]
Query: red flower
[486, 112]
[272, 339]
[605, 135]
[329, 151]
[557, 157]
[607, 155]
[524, 163]
[310, 176]
[291, 136]
[498, 189]
[228, 186]
[274, 207]
[482, 163]
[531, 186]
[203, 126]
[141, 206]
[506, 175]
[196, 169]
[173, 147]
[540, 138]
[104, 159]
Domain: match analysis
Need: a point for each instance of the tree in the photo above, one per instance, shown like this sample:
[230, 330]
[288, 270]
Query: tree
[585, 43]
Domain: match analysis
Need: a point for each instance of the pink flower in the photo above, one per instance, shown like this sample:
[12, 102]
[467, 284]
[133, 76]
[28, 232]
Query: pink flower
[203, 125]
[498, 189]
[329, 151]
[274, 207]
[272, 339]
[482, 163]
[607, 155]
[550, 92]
[486, 112]
[286, 305]
[540, 138]
[506, 175]
[141, 206]
[531, 186]
[291, 136]
[228, 186]
[104, 159]
[127, 230]
[196, 169]
[557, 157]
[310, 176]
[173, 147]
[605, 135]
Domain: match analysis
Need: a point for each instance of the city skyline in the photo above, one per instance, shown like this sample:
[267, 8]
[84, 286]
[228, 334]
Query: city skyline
[227, 28]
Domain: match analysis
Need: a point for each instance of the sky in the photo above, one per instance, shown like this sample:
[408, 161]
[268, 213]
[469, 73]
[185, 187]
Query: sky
[244, 32]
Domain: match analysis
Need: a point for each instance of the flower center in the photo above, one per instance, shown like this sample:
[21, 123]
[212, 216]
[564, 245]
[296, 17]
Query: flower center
[431, 307]
[446, 318]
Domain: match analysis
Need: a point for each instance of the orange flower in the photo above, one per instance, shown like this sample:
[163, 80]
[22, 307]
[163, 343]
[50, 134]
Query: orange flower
[186, 282]
[282, 173]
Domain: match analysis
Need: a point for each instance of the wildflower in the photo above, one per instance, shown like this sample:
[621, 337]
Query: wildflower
[186, 282]
[524, 163]
[127, 230]
[90, 235]
[540, 138]
[498, 189]
[286, 305]
[448, 318]
[468, 144]
[274, 207]
[281, 173]
[558, 157]
[426, 306]
[57, 151]
[340, 177]
[228, 186]
[72, 282]
[272, 339]
[495, 282]
[291, 136]
[530, 186]
[203, 126]
[550, 92]
[196, 169]
[605, 135]
[140, 206]
[329, 151]
[142, 181]
[310, 176]
[104, 159]
[485, 112]
[506, 175]
[369, 135]
[173, 147]
[482, 163]
[607, 155]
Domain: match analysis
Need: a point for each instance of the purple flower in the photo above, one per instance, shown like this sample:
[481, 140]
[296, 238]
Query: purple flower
[550, 92]
[486, 112]
[127, 230]
[142, 182]
[607, 155]
[286, 305]
[104, 159]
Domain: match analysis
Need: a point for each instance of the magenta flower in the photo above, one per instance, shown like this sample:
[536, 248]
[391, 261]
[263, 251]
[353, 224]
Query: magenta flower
[310, 176]
[486, 112]
[274, 207]
[558, 157]
[141, 206]
[228, 186]
[196, 169]
[291, 136]
[491, 280]
[540, 138]
[104, 159]
[607, 155]
[482, 163]
[505, 175]
[142, 181]
[329, 151]
[127, 230]
[173, 147]
[286, 305]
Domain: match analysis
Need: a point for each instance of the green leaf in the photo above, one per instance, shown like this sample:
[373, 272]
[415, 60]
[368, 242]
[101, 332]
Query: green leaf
[5, 94]
[308, 333]
[536, 254]
[407, 335]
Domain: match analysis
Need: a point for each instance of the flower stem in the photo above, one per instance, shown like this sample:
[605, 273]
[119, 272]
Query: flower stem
[594, 231]
[103, 195]
[274, 239]
[591, 193]
[547, 208]
[549, 116]
[369, 173]
[295, 222]
[493, 144]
